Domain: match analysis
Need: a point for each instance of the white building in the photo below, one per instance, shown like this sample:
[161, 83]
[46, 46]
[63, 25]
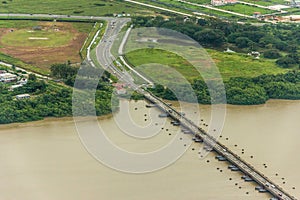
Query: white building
[15, 87]
[22, 96]
[7, 77]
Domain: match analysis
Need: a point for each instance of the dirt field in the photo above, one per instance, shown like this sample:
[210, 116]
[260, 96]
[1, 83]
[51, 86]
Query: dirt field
[42, 54]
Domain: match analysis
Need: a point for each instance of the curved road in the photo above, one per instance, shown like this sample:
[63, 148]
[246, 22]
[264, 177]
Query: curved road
[105, 59]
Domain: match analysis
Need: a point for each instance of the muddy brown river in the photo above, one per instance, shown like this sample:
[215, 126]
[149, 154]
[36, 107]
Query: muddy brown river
[46, 159]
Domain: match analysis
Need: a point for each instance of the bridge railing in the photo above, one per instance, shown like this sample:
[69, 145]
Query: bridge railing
[221, 149]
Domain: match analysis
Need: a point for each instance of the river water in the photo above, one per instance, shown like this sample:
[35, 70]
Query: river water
[46, 159]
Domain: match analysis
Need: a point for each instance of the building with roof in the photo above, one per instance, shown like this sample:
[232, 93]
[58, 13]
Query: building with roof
[22, 96]
[7, 77]
[15, 87]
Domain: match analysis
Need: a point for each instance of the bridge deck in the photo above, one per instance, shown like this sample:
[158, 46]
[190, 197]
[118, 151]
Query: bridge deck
[104, 57]
[221, 149]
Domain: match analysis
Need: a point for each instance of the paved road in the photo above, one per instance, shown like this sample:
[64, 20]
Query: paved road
[10, 15]
[103, 50]
[105, 59]
[120, 51]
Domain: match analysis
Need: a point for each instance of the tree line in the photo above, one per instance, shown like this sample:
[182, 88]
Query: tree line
[239, 91]
[276, 41]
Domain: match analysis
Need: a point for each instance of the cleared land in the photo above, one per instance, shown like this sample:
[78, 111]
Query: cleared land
[230, 65]
[43, 43]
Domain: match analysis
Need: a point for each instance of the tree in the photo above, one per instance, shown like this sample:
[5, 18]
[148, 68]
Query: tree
[210, 37]
[272, 54]
[32, 77]
[63, 71]
[242, 42]
[286, 62]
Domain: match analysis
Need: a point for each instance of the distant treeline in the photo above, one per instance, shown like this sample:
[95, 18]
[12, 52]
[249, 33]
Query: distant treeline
[275, 41]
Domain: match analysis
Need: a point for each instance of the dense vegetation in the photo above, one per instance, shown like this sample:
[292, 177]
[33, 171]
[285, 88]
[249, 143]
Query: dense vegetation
[50, 99]
[240, 91]
[273, 40]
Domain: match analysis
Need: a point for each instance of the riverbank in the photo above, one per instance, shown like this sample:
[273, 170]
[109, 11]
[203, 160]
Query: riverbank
[175, 104]
[49, 120]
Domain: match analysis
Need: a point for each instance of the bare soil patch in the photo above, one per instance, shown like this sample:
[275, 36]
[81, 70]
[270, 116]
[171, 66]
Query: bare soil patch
[43, 57]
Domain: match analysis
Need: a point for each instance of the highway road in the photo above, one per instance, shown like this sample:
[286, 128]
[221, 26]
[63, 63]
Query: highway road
[103, 50]
[105, 58]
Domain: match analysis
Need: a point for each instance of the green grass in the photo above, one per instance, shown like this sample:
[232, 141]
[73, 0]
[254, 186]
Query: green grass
[20, 38]
[245, 9]
[36, 38]
[266, 2]
[148, 56]
[83, 27]
[71, 7]
[240, 65]
[229, 65]
[18, 63]
[200, 1]
[101, 33]
[92, 33]
[187, 8]
[17, 23]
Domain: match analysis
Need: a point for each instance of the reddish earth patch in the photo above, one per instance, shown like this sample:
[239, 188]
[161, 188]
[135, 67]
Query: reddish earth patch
[43, 57]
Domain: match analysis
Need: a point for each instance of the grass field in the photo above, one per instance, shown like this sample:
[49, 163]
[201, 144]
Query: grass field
[97, 26]
[33, 38]
[21, 64]
[187, 8]
[245, 9]
[17, 23]
[229, 65]
[71, 7]
[240, 65]
[56, 42]
[266, 2]
[200, 1]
